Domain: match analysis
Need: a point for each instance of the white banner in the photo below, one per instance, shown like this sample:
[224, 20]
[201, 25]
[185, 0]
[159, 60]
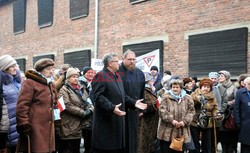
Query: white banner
[96, 64]
[145, 61]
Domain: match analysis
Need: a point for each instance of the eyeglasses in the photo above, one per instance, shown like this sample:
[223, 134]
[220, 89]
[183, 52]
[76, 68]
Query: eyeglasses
[115, 61]
[131, 59]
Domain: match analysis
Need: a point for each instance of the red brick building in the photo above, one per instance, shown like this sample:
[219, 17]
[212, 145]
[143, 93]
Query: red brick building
[194, 36]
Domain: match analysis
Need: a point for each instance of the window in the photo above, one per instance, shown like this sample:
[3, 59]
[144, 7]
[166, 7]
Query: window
[19, 16]
[22, 64]
[144, 48]
[36, 58]
[78, 59]
[136, 1]
[223, 50]
[79, 8]
[45, 13]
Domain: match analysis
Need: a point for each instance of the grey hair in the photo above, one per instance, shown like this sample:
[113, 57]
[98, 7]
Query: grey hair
[107, 58]
[125, 54]
[247, 80]
[176, 81]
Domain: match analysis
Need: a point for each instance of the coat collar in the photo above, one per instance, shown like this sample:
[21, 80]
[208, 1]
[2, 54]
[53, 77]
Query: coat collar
[33, 75]
[8, 78]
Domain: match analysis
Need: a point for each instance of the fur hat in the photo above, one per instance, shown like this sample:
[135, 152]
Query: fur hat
[213, 75]
[165, 79]
[186, 80]
[154, 68]
[86, 69]
[71, 71]
[226, 74]
[43, 63]
[6, 61]
[176, 81]
[206, 81]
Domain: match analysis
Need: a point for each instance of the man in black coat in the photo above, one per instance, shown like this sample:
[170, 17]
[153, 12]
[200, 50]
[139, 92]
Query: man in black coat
[109, 116]
[134, 85]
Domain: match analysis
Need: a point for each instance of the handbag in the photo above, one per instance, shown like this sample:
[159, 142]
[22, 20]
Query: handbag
[189, 145]
[177, 142]
[229, 122]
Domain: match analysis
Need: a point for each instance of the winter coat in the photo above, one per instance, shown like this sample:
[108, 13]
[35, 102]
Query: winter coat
[211, 106]
[147, 129]
[4, 123]
[11, 87]
[241, 114]
[171, 110]
[134, 85]
[108, 132]
[221, 98]
[73, 116]
[35, 106]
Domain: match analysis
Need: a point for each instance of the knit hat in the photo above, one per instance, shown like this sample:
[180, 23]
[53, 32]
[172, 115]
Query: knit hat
[43, 63]
[213, 75]
[186, 80]
[6, 61]
[206, 81]
[225, 73]
[71, 71]
[154, 68]
[86, 69]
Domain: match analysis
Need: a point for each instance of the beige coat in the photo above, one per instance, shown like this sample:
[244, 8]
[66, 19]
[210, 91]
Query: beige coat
[171, 110]
[72, 117]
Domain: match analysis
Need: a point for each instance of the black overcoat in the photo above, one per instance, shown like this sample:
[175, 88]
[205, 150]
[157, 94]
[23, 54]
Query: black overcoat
[108, 128]
[134, 85]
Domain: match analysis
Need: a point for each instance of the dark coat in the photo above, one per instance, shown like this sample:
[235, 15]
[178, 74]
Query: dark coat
[134, 85]
[241, 114]
[35, 106]
[108, 128]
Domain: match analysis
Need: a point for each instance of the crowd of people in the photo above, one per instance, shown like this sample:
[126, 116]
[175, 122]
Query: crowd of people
[120, 109]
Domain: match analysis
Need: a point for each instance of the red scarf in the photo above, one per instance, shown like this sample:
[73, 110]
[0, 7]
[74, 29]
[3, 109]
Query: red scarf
[75, 86]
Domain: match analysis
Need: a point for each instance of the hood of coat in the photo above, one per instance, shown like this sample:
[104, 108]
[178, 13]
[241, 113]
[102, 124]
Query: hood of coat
[33, 75]
[8, 78]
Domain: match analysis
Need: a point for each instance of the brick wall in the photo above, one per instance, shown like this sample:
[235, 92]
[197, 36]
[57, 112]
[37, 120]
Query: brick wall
[119, 21]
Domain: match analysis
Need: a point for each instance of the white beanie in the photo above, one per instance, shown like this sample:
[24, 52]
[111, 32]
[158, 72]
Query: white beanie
[71, 71]
[6, 61]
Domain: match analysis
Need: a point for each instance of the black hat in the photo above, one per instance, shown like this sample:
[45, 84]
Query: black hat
[86, 69]
[154, 68]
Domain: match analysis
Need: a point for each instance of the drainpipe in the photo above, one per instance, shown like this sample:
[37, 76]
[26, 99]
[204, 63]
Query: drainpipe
[96, 28]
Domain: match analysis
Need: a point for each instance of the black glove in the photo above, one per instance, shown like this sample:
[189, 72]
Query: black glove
[87, 113]
[237, 126]
[24, 130]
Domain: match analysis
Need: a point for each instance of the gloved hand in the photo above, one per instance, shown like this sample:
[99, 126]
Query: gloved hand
[87, 113]
[237, 126]
[24, 130]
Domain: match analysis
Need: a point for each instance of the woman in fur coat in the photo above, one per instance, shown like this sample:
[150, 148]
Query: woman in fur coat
[176, 114]
[148, 121]
[36, 107]
[206, 107]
